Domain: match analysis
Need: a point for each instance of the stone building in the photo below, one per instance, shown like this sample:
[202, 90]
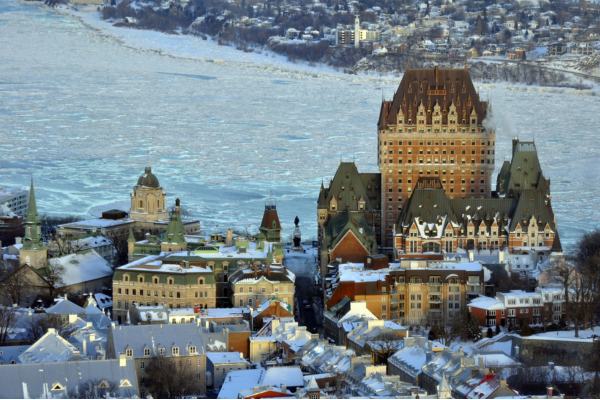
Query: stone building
[434, 126]
[200, 276]
[153, 281]
[252, 287]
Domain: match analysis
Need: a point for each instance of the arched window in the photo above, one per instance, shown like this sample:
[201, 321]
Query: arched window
[170, 281]
[200, 281]
[126, 278]
[155, 280]
[141, 278]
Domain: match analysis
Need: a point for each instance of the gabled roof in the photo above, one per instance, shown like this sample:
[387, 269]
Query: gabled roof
[348, 186]
[338, 225]
[65, 306]
[50, 348]
[82, 267]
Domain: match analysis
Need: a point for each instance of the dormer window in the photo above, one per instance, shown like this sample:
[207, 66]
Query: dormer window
[175, 351]
[57, 387]
[146, 352]
[129, 352]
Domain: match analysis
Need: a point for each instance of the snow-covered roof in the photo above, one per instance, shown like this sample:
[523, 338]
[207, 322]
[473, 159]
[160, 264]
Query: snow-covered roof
[229, 357]
[283, 376]
[165, 336]
[486, 303]
[82, 267]
[10, 354]
[35, 381]
[355, 272]
[50, 348]
[495, 360]
[236, 381]
[96, 223]
[160, 263]
[65, 306]
[233, 312]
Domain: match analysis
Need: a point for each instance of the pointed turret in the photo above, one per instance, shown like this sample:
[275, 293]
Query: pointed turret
[270, 226]
[33, 253]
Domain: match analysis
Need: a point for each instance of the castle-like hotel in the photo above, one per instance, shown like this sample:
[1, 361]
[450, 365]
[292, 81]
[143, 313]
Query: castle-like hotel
[433, 193]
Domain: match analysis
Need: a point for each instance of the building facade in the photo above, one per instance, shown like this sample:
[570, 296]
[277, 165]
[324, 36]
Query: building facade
[151, 281]
[413, 292]
[253, 287]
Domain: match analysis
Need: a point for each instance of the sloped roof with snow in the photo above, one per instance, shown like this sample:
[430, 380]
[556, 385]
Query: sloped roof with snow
[65, 307]
[82, 267]
[486, 303]
[50, 348]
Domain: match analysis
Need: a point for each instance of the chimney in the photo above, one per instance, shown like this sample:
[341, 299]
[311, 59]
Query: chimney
[84, 346]
[549, 391]
[18, 240]
[471, 255]
[229, 238]
[122, 360]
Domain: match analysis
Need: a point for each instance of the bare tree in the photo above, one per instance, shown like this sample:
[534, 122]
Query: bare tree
[119, 241]
[53, 274]
[15, 285]
[7, 319]
[40, 325]
[170, 378]
[384, 346]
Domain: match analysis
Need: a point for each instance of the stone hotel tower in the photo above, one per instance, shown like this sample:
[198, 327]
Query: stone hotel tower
[433, 127]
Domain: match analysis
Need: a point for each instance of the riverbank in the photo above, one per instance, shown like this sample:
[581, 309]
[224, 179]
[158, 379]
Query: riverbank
[383, 68]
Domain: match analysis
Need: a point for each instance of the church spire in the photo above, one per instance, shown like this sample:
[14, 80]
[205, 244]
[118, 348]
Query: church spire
[33, 233]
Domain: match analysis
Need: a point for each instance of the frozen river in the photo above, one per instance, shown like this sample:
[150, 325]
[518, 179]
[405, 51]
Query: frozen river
[84, 110]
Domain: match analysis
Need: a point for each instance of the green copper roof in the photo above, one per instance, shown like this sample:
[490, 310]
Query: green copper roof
[175, 230]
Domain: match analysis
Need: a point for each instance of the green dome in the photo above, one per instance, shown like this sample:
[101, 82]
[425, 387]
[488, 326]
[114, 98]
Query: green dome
[148, 179]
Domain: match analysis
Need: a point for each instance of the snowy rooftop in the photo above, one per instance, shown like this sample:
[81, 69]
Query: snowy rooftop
[96, 223]
[82, 267]
[64, 306]
[229, 357]
[356, 272]
[236, 381]
[222, 312]
[50, 348]
[157, 263]
[486, 303]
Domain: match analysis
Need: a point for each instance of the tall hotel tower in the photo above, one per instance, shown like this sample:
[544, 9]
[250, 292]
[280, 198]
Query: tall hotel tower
[433, 127]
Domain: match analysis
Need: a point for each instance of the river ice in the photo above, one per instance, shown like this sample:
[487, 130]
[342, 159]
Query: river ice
[84, 109]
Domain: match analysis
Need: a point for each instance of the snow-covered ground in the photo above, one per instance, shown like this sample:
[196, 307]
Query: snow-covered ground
[85, 109]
